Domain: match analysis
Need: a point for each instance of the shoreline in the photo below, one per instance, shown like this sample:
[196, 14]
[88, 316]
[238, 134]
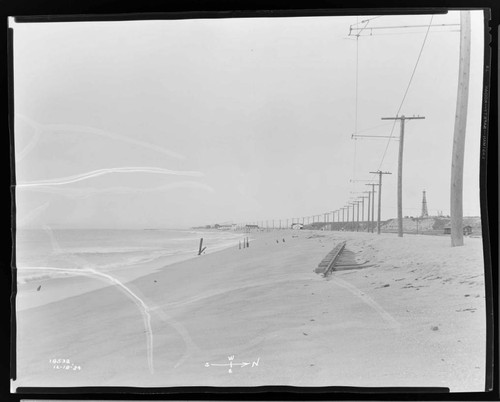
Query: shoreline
[77, 284]
[415, 318]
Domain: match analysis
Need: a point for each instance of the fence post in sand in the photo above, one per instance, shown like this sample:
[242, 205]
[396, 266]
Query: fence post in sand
[201, 245]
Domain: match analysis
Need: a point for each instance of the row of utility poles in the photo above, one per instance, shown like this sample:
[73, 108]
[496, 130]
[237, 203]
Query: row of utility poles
[457, 166]
[401, 138]
[349, 221]
[456, 191]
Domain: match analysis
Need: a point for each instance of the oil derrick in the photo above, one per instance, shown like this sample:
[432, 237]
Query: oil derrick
[424, 214]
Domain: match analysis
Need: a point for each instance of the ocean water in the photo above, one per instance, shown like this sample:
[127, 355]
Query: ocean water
[110, 250]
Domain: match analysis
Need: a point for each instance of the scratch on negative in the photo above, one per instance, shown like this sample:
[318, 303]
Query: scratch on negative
[137, 300]
[39, 128]
[100, 172]
[368, 300]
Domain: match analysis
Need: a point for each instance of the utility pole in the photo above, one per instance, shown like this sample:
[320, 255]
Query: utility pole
[380, 173]
[373, 205]
[400, 167]
[357, 214]
[363, 207]
[368, 221]
[457, 158]
[353, 225]
[347, 207]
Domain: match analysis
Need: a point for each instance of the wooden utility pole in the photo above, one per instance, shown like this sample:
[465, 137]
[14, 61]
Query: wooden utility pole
[368, 209]
[380, 173]
[363, 207]
[357, 213]
[457, 157]
[347, 215]
[352, 222]
[373, 205]
[400, 167]
[353, 225]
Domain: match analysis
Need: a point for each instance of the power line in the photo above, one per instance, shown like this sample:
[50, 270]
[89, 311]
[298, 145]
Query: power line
[356, 85]
[356, 100]
[372, 128]
[407, 89]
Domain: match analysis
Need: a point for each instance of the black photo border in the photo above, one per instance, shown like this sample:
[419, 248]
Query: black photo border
[27, 11]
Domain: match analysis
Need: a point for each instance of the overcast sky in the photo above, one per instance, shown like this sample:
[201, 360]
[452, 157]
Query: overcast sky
[233, 119]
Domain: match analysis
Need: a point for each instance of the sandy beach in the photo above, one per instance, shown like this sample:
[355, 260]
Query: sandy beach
[415, 317]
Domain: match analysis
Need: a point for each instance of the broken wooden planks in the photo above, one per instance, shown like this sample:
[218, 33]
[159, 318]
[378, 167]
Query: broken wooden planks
[326, 266]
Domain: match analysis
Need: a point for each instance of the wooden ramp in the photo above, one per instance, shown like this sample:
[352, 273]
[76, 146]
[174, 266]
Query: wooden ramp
[326, 266]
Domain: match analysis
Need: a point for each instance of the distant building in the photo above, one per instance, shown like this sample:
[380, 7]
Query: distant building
[250, 227]
[467, 230]
[297, 226]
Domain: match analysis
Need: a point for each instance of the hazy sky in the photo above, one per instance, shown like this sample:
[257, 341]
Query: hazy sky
[233, 119]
